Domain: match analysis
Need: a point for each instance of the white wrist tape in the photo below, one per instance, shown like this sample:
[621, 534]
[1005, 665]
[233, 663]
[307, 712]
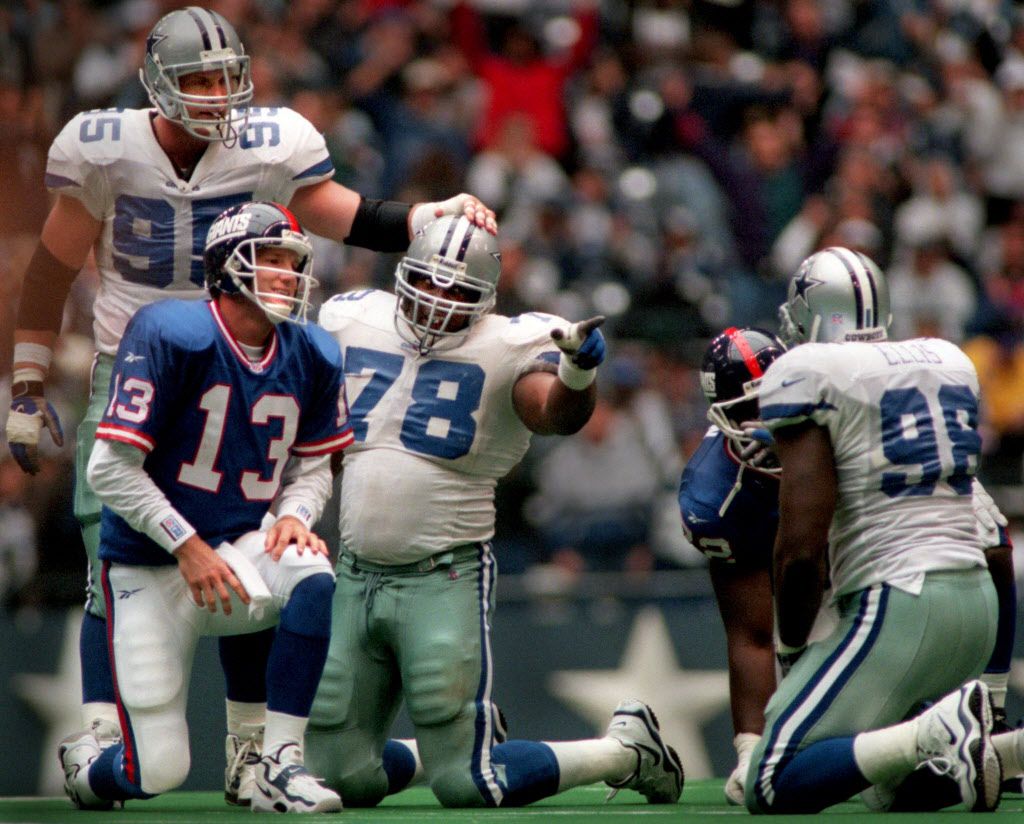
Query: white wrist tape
[32, 362]
[744, 743]
[574, 377]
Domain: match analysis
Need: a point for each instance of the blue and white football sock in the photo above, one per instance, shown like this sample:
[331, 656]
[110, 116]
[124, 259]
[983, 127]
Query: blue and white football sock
[590, 761]
[98, 698]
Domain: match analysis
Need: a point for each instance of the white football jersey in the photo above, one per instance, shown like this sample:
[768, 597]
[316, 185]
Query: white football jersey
[155, 223]
[902, 418]
[433, 434]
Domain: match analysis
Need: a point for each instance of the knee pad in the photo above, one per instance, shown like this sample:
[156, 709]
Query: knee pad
[161, 751]
[345, 764]
[166, 772]
[436, 688]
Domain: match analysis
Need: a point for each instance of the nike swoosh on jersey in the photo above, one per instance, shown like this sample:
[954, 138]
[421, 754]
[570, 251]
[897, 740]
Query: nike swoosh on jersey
[791, 381]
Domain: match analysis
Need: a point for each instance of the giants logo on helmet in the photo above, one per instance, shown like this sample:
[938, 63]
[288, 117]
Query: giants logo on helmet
[229, 227]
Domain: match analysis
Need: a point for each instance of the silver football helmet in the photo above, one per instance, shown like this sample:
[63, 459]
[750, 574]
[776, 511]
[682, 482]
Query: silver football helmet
[193, 40]
[460, 259]
[837, 295]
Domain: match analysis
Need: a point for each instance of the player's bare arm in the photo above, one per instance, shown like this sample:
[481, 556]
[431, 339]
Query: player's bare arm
[332, 210]
[744, 601]
[208, 575]
[560, 404]
[290, 530]
[67, 237]
[807, 501]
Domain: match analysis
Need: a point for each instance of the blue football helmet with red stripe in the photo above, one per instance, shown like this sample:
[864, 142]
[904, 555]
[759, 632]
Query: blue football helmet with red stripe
[229, 258]
[730, 376]
[446, 282]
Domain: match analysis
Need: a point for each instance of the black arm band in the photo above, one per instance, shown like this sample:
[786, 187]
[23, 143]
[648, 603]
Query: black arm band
[381, 225]
[46, 285]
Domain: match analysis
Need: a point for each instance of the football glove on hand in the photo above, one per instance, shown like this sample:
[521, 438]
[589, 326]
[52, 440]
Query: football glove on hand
[582, 343]
[30, 412]
[988, 515]
[759, 450]
[583, 349]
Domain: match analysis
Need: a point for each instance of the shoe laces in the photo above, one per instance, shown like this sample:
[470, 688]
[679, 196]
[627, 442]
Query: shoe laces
[937, 760]
[247, 752]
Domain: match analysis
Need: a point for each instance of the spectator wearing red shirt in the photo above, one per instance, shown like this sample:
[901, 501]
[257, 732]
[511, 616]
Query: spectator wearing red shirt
[520, 79]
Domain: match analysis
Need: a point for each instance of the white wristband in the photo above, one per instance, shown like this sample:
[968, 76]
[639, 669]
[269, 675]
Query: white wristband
[574, 377]
[28, 374]
[31, 362]
[297, 509]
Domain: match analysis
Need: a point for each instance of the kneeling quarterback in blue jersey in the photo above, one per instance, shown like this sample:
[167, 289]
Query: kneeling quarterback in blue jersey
[218, 410]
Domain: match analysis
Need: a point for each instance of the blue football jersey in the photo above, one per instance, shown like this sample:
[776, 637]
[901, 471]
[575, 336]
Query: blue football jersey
[745, 532]
[217, 428]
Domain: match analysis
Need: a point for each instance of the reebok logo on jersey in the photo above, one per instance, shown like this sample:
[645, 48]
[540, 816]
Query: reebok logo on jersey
[131, 357]
[125, 594]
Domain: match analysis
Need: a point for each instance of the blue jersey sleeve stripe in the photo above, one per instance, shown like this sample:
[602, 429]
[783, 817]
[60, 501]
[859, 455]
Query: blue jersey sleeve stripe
[788, 411]
[53, 181]
[324, 167]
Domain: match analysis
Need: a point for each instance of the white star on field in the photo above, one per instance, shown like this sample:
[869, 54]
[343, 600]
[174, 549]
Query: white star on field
[56, 700]
[682, 699]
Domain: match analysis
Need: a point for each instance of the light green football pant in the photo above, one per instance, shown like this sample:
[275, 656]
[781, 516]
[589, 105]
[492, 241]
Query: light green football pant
[890, 652]
[419, 632]
[87, 505]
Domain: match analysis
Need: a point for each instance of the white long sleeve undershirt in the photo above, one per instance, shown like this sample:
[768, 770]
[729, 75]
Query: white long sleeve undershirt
[116, 475]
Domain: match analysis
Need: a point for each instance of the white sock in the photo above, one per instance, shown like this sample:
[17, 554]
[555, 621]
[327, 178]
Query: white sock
[243, 712]
[100, 711]
[887, 754]
[592, 760]
[997, 683]
[283, 729]
[419, 776]
[1010, 746]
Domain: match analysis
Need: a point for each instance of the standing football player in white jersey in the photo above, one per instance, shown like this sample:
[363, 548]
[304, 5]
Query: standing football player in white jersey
[878, 444]
[140, 188]
[444, 398]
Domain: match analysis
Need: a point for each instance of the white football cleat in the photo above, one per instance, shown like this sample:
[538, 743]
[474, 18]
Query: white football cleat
[243, 753]
[659, 774]
[106, 733]
[76, 753]
[284, 785]
[954, 739]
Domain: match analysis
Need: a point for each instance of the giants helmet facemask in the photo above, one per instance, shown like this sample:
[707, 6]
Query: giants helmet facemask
[230, 257]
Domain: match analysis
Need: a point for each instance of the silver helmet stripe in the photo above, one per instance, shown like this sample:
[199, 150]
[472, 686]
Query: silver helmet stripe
[873, 288]
[460, 246]
[461, 254]
[209, 27]
[864, 294]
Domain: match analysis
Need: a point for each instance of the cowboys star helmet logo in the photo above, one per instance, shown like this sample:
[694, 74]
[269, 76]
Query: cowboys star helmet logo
[153, 40]
[804, 283]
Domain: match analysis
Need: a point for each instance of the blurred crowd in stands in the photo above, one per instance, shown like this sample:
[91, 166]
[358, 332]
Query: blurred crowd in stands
[666, 163]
